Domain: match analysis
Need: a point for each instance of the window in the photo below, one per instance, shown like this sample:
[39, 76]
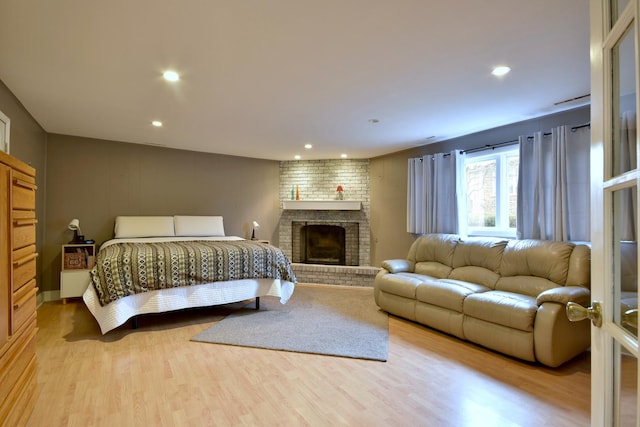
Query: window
[491, 181]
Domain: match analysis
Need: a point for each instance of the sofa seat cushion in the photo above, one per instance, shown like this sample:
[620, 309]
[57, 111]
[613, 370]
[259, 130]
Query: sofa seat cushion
[401, 284]
[503, 308]
[447, 293]
[526, 285]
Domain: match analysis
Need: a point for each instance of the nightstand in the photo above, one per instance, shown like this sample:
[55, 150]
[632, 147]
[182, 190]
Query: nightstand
[77, 261]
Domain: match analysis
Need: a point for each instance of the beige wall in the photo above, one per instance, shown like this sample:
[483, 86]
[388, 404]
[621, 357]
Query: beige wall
[96, 180]
[389, 237]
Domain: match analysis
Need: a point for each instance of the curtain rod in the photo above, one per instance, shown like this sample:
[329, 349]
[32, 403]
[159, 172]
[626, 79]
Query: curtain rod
[485, 147]
[500, 144]
[515, 141]
[575, 128]
[489, 146]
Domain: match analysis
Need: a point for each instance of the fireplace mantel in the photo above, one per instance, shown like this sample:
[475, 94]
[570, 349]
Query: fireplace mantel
[322, 205]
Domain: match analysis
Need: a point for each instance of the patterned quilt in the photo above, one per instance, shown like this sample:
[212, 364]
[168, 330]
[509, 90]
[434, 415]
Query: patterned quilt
[128, 268]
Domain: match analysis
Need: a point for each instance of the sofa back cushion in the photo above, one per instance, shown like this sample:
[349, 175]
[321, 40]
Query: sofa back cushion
[539, 258]
[483, 252]
[434, 247]
[433, 254]
[477, 259]
[580, 267]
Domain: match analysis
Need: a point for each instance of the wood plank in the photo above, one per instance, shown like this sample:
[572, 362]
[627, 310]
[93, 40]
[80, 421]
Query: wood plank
[155, 376]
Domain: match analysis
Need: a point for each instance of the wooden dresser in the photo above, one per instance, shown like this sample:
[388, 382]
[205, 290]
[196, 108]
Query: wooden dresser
[17, 291]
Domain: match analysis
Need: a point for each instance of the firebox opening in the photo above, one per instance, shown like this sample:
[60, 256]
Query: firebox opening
[329, 242]
[323, 244]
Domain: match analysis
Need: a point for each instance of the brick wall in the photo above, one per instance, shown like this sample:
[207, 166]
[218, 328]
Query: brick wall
[335, 275]
[318, 180]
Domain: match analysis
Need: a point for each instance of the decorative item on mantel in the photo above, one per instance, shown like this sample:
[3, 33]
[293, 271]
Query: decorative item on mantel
[340, 191]
[297, 193]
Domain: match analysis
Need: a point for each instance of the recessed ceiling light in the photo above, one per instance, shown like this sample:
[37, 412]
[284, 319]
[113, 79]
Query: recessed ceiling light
[171, 76]
[308, 146]
[297, 157]
[156, 123]
[500, 70]
[344, 156]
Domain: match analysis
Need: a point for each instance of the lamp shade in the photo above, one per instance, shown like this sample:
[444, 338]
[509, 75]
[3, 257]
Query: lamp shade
[74, 224]
[253, 231]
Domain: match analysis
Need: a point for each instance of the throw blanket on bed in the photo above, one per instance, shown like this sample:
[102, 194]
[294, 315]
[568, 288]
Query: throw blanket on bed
[124, 269]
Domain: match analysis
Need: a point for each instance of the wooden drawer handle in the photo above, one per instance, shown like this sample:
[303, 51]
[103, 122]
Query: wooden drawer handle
[25, 259]
[25, 184]
[22, 301]
[30, 284]
[25, 221]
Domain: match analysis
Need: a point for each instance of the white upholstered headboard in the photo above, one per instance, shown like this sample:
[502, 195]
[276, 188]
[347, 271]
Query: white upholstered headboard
[168, 226]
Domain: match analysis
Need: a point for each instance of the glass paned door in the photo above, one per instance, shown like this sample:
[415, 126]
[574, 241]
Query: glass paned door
[614, 228]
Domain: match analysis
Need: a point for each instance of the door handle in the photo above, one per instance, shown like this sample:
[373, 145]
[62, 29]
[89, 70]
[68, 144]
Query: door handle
[576, 312]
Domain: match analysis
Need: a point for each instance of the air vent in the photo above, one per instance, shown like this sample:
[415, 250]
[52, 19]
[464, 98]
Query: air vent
[577, 98]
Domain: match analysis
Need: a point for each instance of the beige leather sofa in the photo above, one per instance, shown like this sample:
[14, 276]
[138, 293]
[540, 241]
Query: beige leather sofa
[506, 295]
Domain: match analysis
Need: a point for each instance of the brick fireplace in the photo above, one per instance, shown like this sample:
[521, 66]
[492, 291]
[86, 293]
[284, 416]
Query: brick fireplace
[317, 180]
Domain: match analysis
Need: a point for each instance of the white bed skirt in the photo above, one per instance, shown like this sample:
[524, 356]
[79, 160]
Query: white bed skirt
[118, 312]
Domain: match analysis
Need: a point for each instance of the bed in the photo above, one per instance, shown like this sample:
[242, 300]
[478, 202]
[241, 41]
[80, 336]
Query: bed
[165, 263]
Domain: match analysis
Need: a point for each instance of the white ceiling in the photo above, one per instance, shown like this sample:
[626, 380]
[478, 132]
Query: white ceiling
[260, 78]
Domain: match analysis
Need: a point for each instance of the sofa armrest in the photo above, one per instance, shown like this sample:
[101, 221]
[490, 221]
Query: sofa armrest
[398, 265]
[565, 294]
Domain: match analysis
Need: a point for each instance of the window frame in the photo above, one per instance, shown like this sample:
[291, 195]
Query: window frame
[501, 155]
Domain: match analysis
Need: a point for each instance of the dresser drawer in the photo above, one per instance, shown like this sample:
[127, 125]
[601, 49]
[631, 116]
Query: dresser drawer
[24, 269]
[17, 377]
[24, 232]
[24, 306]
[23, 191]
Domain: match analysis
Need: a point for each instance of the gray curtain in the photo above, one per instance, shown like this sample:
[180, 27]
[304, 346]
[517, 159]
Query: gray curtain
[554, 186]
[432, 205]
[416, 197]
[625, 205]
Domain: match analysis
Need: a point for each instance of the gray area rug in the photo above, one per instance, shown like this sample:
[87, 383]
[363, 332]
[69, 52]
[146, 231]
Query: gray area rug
[335, 321]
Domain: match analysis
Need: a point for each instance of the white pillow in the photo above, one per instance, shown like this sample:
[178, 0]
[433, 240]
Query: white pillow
[144, 226]
[198, 225]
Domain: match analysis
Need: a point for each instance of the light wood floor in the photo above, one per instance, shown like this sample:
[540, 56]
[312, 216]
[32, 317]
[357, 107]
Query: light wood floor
[155, 376]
